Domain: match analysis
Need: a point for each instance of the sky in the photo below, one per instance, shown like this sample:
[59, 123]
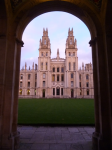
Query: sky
[58, 24]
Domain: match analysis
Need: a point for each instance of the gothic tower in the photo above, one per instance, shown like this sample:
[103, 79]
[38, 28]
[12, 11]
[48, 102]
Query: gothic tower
[71, 62]
[44, 64]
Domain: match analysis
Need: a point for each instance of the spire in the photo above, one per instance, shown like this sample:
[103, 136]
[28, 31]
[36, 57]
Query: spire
[33, 66]
[57, 53]
[25, 66]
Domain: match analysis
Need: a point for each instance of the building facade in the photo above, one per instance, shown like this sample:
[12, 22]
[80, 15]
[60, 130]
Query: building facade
[57, 77]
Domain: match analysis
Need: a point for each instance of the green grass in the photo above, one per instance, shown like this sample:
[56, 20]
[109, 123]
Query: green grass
[56, 111]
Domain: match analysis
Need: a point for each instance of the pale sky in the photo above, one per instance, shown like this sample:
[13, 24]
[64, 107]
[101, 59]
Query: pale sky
[58, 24]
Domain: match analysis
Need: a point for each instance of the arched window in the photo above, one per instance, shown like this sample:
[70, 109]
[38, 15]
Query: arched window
[45, 42]
[70, 41]
[53, 77]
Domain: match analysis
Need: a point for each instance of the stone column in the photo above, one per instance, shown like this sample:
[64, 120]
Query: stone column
[16, 88]
[96, 98]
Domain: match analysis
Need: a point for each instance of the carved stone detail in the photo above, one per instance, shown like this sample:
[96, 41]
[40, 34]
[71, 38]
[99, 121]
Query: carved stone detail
[97, 3]
[14, 3]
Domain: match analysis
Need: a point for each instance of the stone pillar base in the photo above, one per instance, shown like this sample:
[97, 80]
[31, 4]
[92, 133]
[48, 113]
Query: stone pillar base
[99, 143]
[95, 138]
[12, 143]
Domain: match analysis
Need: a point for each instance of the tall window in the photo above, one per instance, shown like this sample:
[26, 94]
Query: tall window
[57, 77]
[69, 66]
[53, 91]
[73, 65]
[69, 54]
[53, 77]
[62, 77]
[43, 75]
[73, 53]
[87, 76]
[20, 84]
[87, 84]
[42, 54]
[58, 69]
[28, 84]
[21, 76]
[45, 42]
[71, 75]
[79, 84]
[29, 76]
[71, 83]
[41, 65]
[43, 83]
[62, 69]
[70, 41]
[46, 54]
[80, 76]
[35, 76]
[53, 69]
[61, 91]
[46, 65]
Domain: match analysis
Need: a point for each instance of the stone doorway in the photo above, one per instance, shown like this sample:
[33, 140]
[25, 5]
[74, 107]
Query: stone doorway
[43, 92]
[72, 93]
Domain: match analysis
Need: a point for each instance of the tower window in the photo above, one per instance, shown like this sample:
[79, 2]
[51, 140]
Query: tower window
[74, 66]
[73, 53]
[46, 65]
[58, 69]
[80, 76]
[69, 54]
[46, 54]
[42, 54]
[43, 75]
[71, 75]
[45, 42]
[70, 41]
[69, 66]
[41, 65]
[28, 76]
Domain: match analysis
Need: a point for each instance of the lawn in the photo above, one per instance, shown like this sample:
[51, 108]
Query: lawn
[56, 111]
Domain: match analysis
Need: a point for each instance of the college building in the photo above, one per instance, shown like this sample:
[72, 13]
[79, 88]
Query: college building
[57, 77]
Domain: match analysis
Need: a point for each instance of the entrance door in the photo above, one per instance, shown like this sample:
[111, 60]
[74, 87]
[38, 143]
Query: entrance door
[72, 93]
[58, 91]
[43, 92]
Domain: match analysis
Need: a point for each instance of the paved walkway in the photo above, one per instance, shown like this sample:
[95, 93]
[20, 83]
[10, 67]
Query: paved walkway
[55, 138]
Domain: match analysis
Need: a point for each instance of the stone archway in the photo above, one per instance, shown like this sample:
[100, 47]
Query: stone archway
[14, 17]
